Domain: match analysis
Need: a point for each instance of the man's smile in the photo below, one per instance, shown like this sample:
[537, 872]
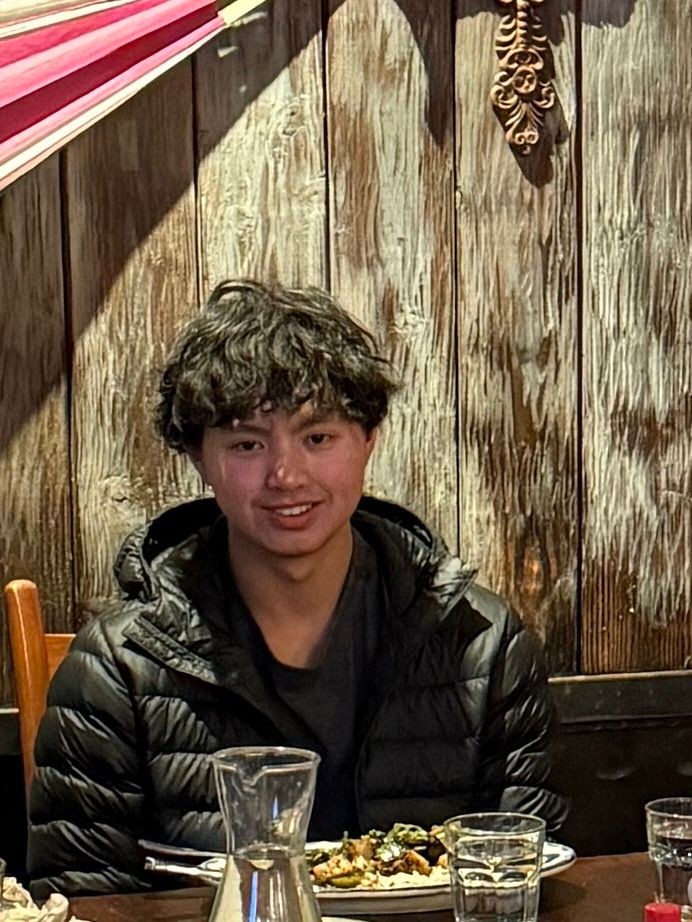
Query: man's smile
[292, 510]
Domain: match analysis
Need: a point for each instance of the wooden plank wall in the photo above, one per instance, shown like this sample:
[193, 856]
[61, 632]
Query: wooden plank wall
[261, 176]
[517, 322]
[637, 321]
[391, 228]
[539, 309]
[35, 503]
[128, 292]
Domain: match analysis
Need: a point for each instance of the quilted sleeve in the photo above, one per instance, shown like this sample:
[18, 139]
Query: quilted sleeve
[87, 799]
[519, 729]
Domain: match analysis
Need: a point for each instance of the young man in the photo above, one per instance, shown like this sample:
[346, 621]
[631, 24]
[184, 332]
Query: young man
[289, 610]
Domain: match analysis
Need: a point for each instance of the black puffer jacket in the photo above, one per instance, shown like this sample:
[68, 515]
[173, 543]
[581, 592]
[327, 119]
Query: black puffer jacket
[458, 717]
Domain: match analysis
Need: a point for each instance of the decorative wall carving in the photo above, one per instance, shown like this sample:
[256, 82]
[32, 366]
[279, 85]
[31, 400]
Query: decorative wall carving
[521, 93]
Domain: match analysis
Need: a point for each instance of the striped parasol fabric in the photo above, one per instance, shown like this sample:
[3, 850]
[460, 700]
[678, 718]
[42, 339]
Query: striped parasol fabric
[64, 65]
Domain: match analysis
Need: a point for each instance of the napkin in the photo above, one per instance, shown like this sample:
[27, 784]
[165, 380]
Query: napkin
[17, 906]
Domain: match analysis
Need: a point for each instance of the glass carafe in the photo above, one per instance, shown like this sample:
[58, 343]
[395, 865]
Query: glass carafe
[266, 796]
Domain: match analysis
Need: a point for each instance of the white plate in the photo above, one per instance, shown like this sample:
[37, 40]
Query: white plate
[374, 902]
[422, 898]
[556, 858]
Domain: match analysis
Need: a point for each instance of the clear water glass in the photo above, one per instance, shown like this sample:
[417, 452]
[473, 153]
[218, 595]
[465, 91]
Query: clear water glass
[669, 833]
[494, 865]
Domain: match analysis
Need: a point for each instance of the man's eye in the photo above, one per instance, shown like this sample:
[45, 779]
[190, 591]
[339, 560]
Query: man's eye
[318, 438]
[246, 445]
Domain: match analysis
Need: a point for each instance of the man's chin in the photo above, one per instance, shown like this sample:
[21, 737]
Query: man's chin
[301, 545]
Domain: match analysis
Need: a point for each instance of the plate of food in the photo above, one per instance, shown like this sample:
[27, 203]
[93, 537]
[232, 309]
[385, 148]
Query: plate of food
[401, 870]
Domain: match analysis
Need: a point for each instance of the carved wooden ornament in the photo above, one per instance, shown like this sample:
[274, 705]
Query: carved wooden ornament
[518, 92]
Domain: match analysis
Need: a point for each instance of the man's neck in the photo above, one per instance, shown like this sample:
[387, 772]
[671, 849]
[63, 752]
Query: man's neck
[292, 600]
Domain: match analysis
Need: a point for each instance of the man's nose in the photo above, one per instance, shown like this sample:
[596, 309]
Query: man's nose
[287, 470]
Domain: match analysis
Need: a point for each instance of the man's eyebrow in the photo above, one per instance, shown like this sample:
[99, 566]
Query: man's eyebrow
[244, 425]
[316, 417]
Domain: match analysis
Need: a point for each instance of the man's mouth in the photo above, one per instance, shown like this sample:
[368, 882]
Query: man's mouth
[288, 511]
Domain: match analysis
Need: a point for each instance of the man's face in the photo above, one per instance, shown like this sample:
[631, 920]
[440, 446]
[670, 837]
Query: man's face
[287, 483]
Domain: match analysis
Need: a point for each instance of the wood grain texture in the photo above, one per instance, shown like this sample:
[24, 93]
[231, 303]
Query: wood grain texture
[34, 470]
[517, 337]
[486, 348]
[132, 256]
[390, 117]
[261, 174]
[637, 75]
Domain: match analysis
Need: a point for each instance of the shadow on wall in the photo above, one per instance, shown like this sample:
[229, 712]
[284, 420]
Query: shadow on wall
[163, 189]
[536, 166]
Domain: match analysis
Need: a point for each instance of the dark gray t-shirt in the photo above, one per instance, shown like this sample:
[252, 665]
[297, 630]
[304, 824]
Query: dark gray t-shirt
[328, 698]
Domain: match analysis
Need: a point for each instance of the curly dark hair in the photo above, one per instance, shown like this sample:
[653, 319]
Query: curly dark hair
[256, 344]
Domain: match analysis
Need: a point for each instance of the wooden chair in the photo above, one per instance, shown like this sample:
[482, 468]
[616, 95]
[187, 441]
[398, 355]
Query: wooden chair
[35, 657]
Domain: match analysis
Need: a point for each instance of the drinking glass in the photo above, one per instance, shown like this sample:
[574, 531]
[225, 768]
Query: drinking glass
[669, 832]
[494, 866]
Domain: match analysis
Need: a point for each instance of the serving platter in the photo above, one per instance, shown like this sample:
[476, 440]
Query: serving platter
[426, 895]
[423, 897]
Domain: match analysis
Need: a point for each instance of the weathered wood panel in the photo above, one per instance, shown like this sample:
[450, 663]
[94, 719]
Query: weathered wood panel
[637, 74]
[261, 174]
[390, 117]
[517, 337]
[131, 219]
[263, 209]
[34, 470]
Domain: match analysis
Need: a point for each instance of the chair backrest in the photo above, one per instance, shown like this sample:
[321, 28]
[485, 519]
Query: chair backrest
[35, 657]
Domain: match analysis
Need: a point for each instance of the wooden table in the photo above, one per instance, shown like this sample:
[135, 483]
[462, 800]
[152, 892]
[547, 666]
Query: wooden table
[606, 889]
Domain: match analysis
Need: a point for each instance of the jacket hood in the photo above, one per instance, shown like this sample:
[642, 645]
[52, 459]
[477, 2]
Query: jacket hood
[415, 559]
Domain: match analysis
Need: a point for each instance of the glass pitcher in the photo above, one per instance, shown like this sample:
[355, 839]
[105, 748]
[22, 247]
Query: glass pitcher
[266, 796]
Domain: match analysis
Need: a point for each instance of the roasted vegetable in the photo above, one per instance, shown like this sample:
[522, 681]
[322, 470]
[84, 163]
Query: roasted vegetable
[401, 837]
[404, 849]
